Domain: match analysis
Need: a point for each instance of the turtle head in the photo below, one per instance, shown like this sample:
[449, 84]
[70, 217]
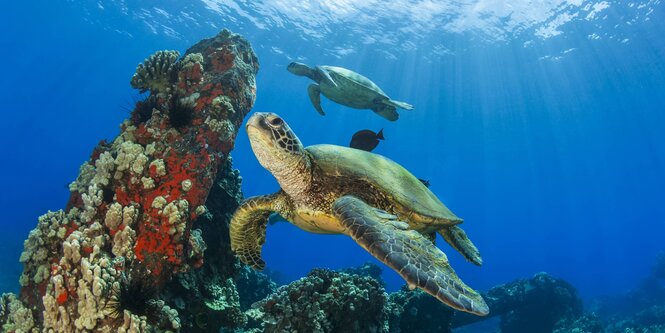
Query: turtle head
[300, 69]
[275, 145]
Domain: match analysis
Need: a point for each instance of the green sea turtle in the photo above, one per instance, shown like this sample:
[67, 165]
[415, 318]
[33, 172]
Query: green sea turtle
[347, 88]
[338, 190]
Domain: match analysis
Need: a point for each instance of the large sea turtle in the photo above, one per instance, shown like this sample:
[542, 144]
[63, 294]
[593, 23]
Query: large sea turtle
[347, 88]
[337, 190]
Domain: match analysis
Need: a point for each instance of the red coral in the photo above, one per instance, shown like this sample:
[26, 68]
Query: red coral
[71, 227]
[62, 298]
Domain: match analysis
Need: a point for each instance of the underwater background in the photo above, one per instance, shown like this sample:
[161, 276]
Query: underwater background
[541, 124]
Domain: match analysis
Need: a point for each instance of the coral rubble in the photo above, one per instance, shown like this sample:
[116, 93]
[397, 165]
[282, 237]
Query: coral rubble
[133, 217]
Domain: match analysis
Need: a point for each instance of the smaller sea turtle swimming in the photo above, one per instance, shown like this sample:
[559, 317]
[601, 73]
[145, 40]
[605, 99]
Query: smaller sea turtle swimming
[348, 88]
[331, 189]
[366, 140]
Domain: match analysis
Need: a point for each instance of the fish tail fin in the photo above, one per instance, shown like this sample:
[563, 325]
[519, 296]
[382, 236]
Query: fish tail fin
[380, 135]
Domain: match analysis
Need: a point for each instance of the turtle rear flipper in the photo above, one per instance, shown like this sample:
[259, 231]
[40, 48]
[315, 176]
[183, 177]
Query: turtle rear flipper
[314, 92]
[457, 238]
[399, 104]
[386, 111]
[408, 252]
[248, 228]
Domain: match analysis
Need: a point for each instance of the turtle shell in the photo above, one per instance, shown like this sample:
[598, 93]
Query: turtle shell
[353, 89]
[385, 174]
[353, 77]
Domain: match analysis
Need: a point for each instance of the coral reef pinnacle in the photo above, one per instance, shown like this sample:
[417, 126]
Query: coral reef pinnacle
[132, 209]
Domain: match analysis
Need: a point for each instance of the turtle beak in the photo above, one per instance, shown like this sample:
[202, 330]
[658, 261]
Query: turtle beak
[258, 130]
[255, 121]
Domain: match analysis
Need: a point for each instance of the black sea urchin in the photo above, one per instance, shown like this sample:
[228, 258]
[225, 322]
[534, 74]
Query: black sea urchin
[181, 112]
[143, 110]
[136, 295]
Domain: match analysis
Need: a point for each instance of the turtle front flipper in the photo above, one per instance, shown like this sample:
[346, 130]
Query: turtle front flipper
[248, 227]
[323, 76]
[314, 92]
[457, 238]
[408, 252]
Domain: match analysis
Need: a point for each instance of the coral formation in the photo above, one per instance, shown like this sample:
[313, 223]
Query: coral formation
[325, 301]
[14, 316]
[132, 210]
[416, 311]
[367, 269]
[156, 72]
[207, 298]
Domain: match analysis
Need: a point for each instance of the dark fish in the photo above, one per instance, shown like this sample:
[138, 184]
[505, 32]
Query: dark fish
[425, 182]
[366, 140]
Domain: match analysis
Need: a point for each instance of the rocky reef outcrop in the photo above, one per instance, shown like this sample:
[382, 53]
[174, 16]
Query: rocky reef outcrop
[121, 255]
[354, 300]
[539, 304]
[641, 310]
[324, 301]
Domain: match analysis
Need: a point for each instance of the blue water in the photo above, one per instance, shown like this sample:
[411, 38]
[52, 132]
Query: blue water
[543, 127]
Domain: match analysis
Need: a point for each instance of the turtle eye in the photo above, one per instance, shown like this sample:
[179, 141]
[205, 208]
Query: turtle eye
[277, 121]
